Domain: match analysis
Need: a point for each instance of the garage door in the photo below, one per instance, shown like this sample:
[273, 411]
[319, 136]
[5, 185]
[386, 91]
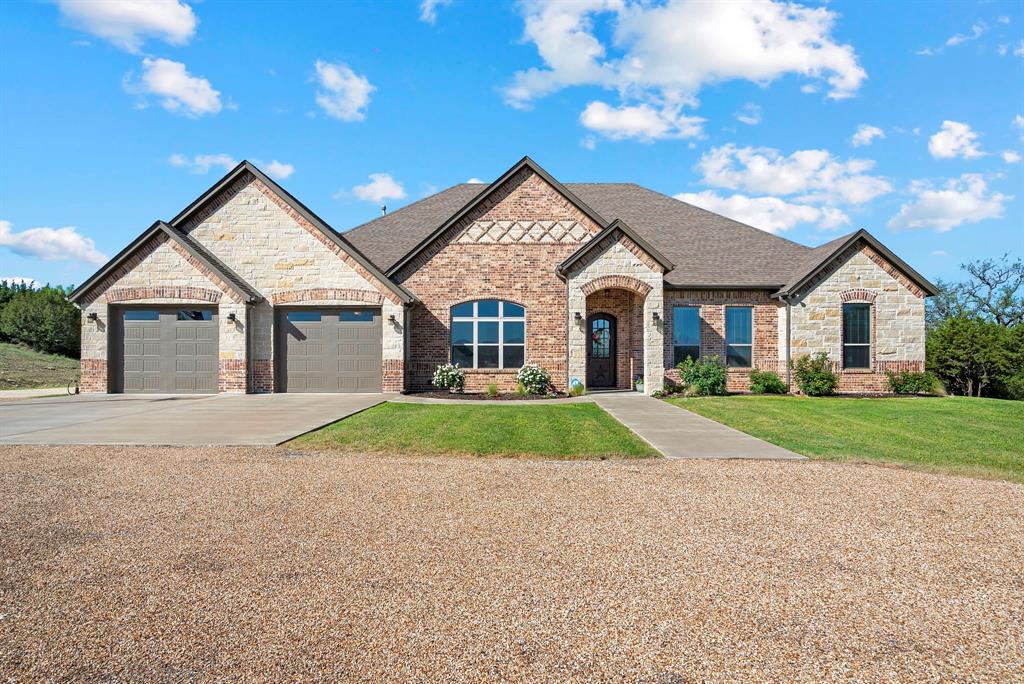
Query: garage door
[168, 351]
[329, 350]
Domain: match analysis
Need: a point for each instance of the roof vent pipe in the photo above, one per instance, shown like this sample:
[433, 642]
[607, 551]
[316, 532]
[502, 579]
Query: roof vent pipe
[383, 210]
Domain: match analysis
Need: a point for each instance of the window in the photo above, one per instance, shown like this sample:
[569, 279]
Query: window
[303, 316]
[488, 334]
[194, 315]
[600, 338]
[739, 324]
[856, 336]
[141, 315]
[356, 315]
[685, 333]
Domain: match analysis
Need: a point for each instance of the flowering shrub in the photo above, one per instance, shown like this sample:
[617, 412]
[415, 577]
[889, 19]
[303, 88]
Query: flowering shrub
[534, 379]
[450, 377]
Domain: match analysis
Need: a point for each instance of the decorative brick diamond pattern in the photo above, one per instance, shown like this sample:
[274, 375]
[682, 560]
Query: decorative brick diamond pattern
[524, 232]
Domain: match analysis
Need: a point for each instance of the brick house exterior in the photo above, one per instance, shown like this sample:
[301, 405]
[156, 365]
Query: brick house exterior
[594, 278]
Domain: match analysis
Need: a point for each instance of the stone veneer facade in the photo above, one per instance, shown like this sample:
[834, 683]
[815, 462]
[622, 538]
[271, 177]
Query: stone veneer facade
[508, 247]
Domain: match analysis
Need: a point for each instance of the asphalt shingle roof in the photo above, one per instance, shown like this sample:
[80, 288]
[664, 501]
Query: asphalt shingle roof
[706, 248]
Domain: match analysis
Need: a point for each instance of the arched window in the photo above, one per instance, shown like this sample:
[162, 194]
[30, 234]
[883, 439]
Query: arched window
[488, 333]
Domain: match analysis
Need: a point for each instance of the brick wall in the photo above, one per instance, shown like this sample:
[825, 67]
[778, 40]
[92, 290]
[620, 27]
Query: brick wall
[455, 270]
[712, 304]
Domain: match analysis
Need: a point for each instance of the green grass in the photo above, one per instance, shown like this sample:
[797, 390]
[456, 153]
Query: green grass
[981, 437]
[559, 431]
[22, 368]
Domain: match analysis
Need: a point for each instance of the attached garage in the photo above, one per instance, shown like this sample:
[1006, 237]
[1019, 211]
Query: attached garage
[329, 350]
[163, 350]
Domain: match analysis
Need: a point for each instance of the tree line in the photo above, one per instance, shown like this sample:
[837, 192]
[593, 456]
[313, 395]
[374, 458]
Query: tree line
[40, 318]
[975, 330]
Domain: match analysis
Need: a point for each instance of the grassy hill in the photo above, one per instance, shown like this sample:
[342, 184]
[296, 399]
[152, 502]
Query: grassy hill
[22, 368]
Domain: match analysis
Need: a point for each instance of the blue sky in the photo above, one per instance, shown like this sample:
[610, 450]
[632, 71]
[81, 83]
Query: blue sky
[119, 113]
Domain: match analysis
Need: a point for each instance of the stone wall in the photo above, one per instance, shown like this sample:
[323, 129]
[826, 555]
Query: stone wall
[627, 308]
[618, 263]
[897, 317]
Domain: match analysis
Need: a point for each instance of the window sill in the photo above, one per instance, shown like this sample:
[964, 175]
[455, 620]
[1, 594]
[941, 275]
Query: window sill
[857, 371]
[490, 371]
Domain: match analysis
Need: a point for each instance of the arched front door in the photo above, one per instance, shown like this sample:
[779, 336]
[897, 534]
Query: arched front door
[601, 351]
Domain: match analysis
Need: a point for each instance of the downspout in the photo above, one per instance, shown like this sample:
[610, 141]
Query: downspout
[789, 341]
[250, 373]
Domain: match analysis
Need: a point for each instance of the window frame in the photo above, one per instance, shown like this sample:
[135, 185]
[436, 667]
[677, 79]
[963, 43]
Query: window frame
[843, 344]
[675, 327]
[475, 320]
[750, 345]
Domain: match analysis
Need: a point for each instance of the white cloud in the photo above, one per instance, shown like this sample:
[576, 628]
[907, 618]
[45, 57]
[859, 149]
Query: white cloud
[866, 135]
[815, 175]
[1004, 20]
[345, 94]
[428, 9]
[976, 32]
[1011, 157]
[181, 92]
[959, 200]
[51, 244]
[202, 163]
[749, 114]
[127, 23]
[19, 280]
[381, 187]
[589, 142]
[276, 169]
[956, 139]
[770, 214]
[640, 122]
[474, 179]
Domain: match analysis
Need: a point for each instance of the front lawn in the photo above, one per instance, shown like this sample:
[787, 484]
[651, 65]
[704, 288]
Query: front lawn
[956, 434]
[23, 368]
[581, 430]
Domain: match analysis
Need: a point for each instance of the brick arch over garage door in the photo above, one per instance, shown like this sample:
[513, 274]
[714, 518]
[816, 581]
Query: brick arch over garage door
[116, 295]
[329, 295]
[622, 282]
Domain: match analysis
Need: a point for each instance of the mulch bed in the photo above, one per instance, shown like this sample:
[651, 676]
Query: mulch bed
[470, 396]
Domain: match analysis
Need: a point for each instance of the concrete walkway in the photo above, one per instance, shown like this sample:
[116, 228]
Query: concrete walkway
[225, 419]
[678, 433]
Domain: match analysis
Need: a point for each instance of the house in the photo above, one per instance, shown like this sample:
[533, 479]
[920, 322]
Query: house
[247, 290]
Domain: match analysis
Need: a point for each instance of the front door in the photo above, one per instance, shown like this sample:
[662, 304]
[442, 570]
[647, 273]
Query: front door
[601, 351]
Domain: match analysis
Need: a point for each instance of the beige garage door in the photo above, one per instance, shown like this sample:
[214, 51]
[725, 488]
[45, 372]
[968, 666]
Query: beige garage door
[167, 351]
[329, 350]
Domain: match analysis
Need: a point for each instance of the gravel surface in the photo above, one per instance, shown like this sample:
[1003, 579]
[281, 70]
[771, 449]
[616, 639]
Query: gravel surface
[192, 564]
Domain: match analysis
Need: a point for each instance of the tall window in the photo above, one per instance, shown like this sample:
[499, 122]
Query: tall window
[856, 336]
[685, 333]
[739, 336]
[488, 334]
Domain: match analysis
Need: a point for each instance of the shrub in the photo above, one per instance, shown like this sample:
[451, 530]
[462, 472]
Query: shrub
[492, 391]
[766, 382]
[910, 382]
[534, 379]
[814, 375]
[520, 389]
[703, 378]
[450, 377]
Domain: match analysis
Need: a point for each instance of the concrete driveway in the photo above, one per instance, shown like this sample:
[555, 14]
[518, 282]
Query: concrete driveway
[174, 419]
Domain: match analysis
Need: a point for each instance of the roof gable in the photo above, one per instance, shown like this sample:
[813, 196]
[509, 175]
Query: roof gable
[230, 279]
[615, 228]
[481, 197]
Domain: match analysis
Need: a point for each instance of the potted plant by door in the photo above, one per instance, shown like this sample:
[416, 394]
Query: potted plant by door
[638, 383]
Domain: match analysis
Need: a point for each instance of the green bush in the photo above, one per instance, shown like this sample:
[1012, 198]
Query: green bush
[814, 375]
[703, 378]
[492, 391]
[534, 379]
[766, 382]
[910, 382]
[42, 319]
[450, 377]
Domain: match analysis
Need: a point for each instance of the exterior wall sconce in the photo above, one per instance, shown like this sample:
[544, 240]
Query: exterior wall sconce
[657, 317]
[392, 320]
[232, 318]
[578, 316]
[93, 316]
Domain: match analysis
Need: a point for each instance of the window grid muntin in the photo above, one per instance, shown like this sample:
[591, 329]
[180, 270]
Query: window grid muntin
[749, 346]
[865, 333]
[475, 344]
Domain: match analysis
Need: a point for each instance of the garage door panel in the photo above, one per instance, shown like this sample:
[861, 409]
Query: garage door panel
[330, 350]
[169, 350]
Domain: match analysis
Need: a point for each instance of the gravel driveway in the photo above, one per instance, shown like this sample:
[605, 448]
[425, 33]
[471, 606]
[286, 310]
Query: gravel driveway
[197, 564]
